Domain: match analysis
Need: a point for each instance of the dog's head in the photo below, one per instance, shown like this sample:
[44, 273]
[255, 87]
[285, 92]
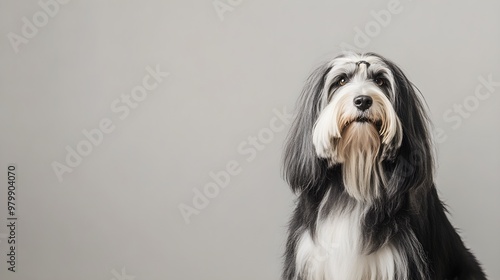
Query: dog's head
[358, 112]
[356, 109]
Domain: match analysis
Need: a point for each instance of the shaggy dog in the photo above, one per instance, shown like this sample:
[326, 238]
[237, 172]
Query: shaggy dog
[359, 158]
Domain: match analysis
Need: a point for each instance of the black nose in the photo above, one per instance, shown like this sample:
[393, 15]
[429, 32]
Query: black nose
[363, 102]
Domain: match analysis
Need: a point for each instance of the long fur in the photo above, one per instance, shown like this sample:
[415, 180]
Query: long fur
[367, 206]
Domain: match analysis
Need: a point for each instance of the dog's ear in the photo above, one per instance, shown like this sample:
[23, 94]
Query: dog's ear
[301, 166]
[414, 164]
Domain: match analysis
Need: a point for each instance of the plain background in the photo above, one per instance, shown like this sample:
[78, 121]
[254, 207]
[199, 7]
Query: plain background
[116, 214]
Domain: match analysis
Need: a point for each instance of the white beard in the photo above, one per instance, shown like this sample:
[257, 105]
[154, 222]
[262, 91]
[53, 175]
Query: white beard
[358, 150]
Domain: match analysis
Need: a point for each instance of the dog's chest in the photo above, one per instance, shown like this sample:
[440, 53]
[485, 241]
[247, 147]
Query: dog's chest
[335, 253]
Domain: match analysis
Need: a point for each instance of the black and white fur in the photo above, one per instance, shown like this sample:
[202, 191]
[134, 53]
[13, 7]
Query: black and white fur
[359, 157]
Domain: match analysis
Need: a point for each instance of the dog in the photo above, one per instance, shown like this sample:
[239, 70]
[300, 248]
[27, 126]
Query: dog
[359, 157]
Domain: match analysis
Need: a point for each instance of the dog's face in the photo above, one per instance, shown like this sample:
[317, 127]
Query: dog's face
[359, 114]
[356, 110]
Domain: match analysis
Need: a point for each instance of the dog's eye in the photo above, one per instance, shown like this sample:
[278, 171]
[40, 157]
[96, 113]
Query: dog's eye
[342, 81]
[379, 81]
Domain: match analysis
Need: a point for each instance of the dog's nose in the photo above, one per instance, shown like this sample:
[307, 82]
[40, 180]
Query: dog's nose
[363, 102]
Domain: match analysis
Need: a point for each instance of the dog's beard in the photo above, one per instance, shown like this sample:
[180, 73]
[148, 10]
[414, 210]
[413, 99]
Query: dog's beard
[359, 150]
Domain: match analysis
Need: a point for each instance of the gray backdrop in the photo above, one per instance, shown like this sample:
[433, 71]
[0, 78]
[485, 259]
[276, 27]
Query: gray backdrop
[147, 135]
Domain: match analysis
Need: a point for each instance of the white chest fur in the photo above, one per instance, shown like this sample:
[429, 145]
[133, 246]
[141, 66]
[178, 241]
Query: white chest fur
[335, 253]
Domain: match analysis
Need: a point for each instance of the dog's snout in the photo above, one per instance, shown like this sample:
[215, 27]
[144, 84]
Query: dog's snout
[363, 102]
